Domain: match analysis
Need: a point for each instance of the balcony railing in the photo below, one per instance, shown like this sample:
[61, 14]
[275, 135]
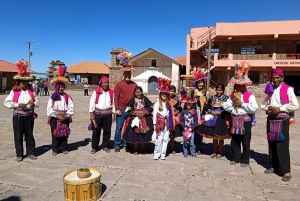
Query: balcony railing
[222, 56]
[252, 56]
[287, 56]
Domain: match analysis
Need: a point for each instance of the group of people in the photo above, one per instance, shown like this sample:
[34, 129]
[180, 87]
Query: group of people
[40, 87]
[192, 116]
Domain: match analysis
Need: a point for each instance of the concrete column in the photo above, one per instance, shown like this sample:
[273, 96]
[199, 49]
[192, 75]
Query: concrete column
[188, 54]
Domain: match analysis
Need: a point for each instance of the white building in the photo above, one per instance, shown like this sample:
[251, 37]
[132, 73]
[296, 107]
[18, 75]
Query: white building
[151, 64]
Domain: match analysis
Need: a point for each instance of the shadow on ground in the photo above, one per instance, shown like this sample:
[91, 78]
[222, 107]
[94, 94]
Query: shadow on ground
[261, 159]
[12, 198]
[71, 147]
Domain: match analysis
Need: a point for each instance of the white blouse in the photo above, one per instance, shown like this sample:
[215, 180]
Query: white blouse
[246, 108]
[103, 102]
[23, 98]
[60, 105]
[164, 112]
[275, 101]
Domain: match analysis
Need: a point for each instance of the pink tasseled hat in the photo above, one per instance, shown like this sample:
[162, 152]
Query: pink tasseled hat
[103, 79]
[276, 71]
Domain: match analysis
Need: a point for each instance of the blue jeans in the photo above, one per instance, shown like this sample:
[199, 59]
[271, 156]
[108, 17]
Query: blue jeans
[192, 145]
[120, 119]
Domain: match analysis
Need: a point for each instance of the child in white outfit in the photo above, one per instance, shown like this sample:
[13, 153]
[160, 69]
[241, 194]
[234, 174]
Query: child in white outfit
[163, 119]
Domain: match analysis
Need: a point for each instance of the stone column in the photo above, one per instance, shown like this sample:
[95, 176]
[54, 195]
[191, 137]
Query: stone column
[115, 72]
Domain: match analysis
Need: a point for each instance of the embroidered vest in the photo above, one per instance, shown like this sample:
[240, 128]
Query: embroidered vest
[18, 93]
[99, 91]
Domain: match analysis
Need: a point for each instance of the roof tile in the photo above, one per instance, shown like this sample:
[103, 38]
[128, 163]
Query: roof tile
[90, 67]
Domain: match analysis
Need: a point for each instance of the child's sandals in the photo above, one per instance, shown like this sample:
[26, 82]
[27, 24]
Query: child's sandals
[214, 155]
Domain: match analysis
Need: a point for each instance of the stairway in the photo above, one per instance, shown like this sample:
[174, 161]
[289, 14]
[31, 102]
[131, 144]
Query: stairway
[203, 39]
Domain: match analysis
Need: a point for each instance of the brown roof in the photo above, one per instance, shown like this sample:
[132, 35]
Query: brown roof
[90, 67]
[6, 66]
[181, 60]
[150, 49]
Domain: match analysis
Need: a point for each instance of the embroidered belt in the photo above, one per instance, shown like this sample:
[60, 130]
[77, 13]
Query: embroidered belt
[61, 112]
[246, 117]
[161, 122]
[103, 111]
[23, 112]
[282, 115]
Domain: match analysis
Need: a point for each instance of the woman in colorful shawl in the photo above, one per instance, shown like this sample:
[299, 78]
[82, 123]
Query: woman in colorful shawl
[138, 128]
[214, 124]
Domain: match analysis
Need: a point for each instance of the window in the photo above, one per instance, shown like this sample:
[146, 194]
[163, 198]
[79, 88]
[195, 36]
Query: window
[248, 49]
[153, 63]
[254, 76]
[213, 51]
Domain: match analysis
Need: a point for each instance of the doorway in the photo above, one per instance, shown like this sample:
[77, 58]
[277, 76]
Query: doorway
[293, 81]
[152, 85]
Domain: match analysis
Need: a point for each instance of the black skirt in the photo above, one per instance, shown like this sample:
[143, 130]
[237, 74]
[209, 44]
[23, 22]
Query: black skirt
[220, 131]
[130, 136]
[177, 132]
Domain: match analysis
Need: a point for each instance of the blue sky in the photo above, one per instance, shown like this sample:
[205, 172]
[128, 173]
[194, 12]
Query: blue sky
[86, 30]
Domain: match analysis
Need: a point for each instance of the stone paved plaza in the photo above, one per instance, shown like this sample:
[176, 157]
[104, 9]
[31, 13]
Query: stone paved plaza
[129, 177]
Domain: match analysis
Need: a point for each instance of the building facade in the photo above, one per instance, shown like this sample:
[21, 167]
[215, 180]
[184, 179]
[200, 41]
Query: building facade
[151, 64]
[88, 71]
[264, 45]
[7, 72]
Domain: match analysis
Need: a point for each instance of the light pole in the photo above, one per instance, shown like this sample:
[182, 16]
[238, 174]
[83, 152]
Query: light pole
[208, 58]
[29, 53]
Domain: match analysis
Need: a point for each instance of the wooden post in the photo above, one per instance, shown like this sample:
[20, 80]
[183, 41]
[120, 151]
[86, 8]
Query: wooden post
[208, 58]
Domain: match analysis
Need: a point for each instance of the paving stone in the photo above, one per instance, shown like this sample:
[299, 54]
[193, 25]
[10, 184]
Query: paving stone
[154, 191]
[125, 176]
[225, 198]
[177, 192]
[222, 187]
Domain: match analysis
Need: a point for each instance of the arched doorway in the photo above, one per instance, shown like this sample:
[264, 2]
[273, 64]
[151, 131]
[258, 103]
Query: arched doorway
[152, 85]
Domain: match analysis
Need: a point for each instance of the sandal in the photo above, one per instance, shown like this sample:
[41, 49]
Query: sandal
[219, 156]
[244, 165]
[19, 159]
[93, 151]
[213, 155]
[135, 153]
[107, 150]
[286, 178]
[232, 163]
[271, 170]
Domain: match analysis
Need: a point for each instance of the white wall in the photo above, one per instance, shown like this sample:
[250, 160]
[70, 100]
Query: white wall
[175, 75]
[164, 68]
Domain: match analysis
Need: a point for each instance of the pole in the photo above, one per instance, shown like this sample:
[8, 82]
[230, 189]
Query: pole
[208, 58]
[29, 56]
[29, 53]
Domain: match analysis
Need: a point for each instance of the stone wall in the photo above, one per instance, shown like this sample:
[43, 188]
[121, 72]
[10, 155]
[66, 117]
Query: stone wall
[115, 72]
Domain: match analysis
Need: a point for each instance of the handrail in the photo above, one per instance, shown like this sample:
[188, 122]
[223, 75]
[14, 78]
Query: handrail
[287, 56]
[204, 37]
